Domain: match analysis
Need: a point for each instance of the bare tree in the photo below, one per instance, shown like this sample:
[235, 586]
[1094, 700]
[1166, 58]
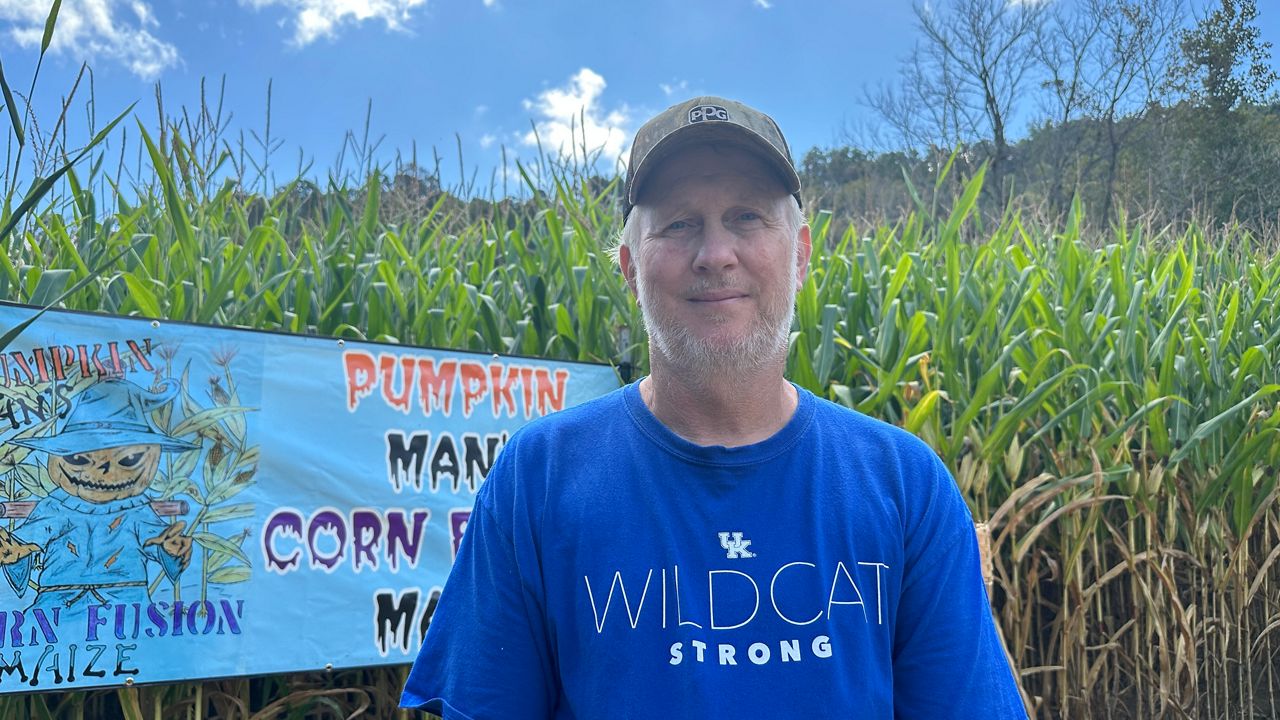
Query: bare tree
[1136, 49]
[1063, 46]
[1104, 62]
[923, 109]
[961, 82]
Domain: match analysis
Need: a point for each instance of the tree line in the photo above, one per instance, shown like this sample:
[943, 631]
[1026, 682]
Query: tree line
[1130, 106]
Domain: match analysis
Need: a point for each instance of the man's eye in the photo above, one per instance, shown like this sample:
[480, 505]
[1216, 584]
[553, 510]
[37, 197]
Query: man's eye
[76, 459]
[132, 460]
[748, 217]
[679, 225]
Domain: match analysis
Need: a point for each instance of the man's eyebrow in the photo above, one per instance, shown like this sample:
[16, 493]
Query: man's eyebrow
[764, 194]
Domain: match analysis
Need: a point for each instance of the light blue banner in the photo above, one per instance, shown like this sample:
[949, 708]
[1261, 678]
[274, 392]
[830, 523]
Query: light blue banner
[181, 502]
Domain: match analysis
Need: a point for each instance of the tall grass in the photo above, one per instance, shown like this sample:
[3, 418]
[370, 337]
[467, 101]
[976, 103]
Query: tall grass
[1106, 402]
[1109, 408]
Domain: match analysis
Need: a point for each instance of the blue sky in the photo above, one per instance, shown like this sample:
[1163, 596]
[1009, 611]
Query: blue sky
[482, 70]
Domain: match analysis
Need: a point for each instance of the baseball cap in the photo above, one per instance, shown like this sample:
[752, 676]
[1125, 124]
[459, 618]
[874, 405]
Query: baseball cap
[701, 120]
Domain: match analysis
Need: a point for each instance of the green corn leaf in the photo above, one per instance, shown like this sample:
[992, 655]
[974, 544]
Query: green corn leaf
[48, 26]
[827, 343]
[1229, 322]
[14, 119]
[1208, 427]
[174, 205]
[43, 186]
[923, 410]
[966, 203]
[12, 333]
[142, 295]
[51, 285]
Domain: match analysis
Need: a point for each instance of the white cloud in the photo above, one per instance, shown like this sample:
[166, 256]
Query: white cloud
[115, 30]
[567, 115]
[314, 19]
[487, 140]
[762, 4]
[141, 10]
[490, 3]
[671, 89]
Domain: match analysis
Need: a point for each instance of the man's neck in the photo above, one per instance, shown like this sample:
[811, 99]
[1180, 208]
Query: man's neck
[727, 408]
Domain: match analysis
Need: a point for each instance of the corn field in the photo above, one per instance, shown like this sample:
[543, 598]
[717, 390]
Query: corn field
[1107, 404]
[1107, 400]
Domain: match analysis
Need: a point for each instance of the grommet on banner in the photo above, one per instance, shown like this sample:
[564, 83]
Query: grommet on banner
[341, 342]
[128, 682]
[328, 667]
[155, 323]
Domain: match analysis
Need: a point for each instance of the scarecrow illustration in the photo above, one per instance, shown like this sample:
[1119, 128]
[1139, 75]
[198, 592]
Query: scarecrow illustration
[90, 540]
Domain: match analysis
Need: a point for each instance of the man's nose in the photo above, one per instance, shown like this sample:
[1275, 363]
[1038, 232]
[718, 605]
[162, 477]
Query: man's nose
[718, 250]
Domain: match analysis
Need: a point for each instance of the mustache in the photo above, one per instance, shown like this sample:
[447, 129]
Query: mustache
[714, 284]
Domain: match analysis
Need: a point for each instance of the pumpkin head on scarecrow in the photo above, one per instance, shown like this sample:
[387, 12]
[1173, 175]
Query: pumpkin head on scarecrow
[92, 539]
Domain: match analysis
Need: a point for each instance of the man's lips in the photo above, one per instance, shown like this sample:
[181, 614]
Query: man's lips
[718, 296]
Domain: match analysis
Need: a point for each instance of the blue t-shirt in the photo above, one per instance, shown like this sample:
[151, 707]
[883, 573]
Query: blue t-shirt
[612, 569]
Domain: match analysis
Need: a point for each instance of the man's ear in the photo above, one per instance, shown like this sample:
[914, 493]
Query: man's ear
[627, 264]
[804, 248]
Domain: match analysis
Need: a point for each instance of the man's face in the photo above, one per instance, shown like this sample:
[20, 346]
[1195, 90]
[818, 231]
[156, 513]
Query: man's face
[108, 474]
[716, 267]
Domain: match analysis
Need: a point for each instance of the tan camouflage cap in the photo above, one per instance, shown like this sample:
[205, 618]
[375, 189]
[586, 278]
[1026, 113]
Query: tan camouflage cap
[707, 119]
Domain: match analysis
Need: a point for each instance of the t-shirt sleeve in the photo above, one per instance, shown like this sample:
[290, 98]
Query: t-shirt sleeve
[948, 660]
[486, 653]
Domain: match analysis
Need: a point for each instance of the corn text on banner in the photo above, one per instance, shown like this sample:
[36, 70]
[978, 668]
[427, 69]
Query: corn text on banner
[183, 502]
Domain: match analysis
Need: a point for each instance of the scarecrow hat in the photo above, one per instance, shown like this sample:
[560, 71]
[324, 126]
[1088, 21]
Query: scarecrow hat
[112, 413]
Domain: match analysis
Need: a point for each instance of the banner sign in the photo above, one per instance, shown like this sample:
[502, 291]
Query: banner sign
[181, 502]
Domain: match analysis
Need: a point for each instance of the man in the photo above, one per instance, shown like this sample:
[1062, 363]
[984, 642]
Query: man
[713, 541]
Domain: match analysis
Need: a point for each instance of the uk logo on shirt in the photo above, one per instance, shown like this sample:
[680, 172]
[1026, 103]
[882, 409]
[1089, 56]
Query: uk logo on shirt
[734, 546]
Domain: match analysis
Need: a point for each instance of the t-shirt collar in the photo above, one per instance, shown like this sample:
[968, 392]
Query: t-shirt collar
[766, 449]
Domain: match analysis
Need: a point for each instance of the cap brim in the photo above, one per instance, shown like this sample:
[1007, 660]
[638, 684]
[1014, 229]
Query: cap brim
[78, 441]
[712, 132]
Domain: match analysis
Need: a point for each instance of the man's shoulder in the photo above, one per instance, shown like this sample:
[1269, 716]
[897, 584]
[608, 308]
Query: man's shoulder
[543, 452]
[586, 418]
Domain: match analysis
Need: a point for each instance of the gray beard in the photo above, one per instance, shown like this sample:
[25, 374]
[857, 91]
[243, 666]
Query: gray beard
[766, 343]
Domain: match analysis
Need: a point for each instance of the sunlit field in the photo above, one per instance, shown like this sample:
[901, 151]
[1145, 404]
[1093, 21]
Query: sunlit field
[1106, 398]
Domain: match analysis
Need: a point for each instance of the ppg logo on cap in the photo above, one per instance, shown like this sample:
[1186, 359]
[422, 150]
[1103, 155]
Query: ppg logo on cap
[708, 112]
